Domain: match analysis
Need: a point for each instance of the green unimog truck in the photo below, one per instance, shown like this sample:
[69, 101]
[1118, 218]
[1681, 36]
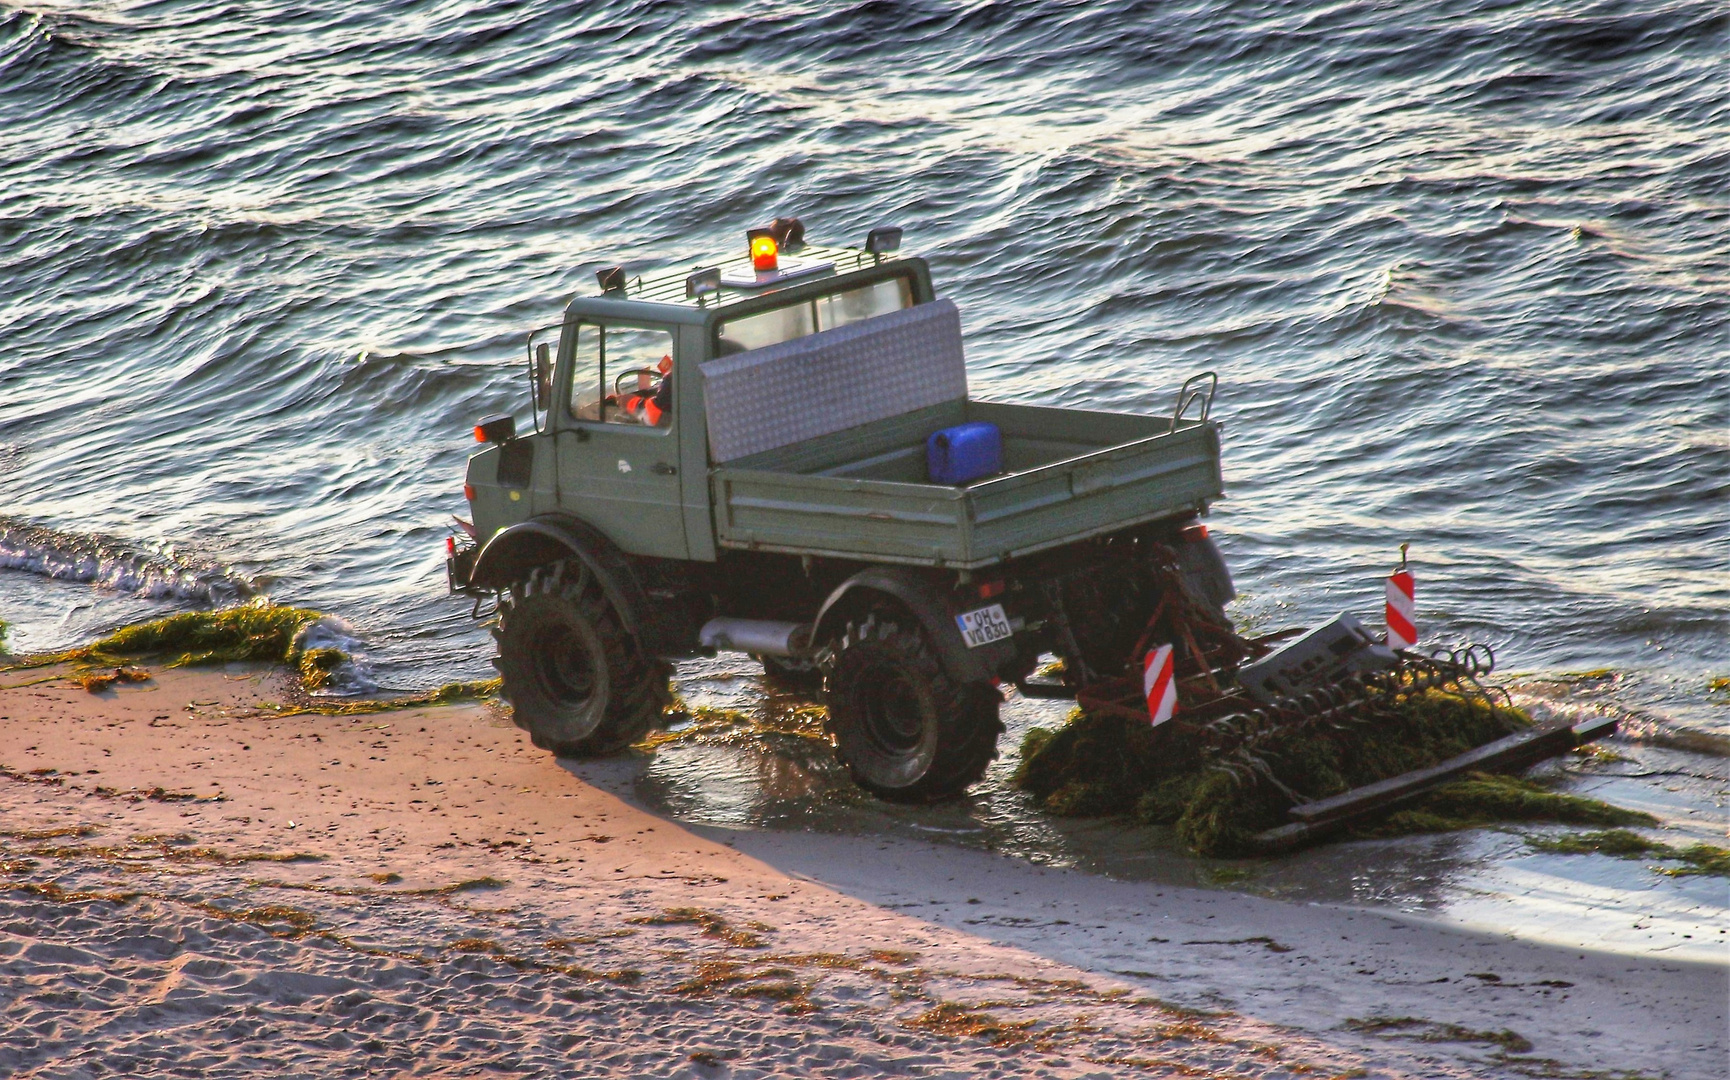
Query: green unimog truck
[739, 456]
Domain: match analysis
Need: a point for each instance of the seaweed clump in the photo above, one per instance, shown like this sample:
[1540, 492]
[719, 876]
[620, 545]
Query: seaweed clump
[1487, 798]
[1093, 766]
[250, 633]
[1098, 765]
[772, 726]
[448, 694]
[1698, 858]
[318, 666]
[98, 681]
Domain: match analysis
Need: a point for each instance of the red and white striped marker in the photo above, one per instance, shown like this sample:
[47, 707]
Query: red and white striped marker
[1159, 686]
[1402, 607]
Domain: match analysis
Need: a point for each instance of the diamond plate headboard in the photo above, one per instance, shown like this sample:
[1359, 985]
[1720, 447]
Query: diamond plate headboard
[827, 382]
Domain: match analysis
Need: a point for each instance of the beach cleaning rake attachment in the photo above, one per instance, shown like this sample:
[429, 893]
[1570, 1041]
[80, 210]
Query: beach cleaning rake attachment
[1233, 741]
[1247, 705]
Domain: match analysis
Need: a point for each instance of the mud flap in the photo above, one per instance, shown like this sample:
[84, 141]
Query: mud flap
[927, 597]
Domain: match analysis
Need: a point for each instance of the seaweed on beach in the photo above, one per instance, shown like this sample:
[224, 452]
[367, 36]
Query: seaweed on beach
[776, 726]
[1099, 765]
[1431, 1031]
[958, 1020]
[250, 633]
[98, 681]
[1487, 798]
[1698, 858]
[450, 693]
[712, 925]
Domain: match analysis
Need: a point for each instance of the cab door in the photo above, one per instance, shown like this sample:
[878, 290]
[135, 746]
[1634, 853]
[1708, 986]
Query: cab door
[618, 452]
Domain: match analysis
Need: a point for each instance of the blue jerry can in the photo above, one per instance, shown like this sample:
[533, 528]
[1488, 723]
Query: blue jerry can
[965, 452]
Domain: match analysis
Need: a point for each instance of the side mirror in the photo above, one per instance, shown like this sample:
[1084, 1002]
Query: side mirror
[543, 376]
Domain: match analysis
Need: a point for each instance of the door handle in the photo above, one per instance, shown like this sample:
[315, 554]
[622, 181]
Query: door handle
[663, 468]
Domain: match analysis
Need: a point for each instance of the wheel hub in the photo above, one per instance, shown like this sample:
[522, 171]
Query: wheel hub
[894, 719]
[564, 666]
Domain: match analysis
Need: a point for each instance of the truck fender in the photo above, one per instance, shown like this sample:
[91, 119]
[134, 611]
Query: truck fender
[929, 603]
[513, 552]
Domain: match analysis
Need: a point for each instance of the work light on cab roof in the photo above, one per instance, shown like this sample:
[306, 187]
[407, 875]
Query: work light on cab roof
[764, 249]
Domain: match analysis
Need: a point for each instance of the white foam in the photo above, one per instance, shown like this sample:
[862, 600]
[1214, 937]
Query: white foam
[118, 565]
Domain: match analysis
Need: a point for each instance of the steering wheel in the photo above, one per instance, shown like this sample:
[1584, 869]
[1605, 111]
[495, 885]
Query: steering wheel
[654, 384]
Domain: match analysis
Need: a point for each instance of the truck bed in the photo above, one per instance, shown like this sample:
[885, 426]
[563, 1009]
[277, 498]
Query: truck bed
[862, 493]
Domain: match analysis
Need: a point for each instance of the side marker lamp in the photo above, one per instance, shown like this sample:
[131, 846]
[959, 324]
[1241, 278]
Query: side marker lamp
[763, 249]
[496, 429]
[883, 240]
[706, 282]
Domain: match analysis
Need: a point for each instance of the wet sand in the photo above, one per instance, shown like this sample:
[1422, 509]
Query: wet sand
[234, 891]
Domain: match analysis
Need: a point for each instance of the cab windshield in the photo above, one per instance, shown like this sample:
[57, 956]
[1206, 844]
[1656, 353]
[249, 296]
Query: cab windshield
[810, 316]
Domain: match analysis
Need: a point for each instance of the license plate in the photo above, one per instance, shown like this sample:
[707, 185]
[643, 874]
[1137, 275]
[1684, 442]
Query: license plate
[983, 626]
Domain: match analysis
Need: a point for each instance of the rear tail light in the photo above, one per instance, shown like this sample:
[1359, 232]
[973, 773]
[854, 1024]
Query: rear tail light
[1195, 532]
[988, 589]
[451, 546]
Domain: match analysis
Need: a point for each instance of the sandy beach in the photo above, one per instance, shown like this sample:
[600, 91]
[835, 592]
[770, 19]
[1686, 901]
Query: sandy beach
[197, 883]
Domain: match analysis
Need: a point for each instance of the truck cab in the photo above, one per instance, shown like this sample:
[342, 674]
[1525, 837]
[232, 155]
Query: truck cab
[640, 474]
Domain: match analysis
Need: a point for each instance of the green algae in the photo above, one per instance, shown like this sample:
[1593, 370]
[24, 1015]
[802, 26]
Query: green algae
[253, 633]
[1092, 766]
[317, 666]
[772, 727]
[1698, 858]
[97, 682]
[1487, 799]
[1099, 766]
[1431, 1031]
[450, 693]
[1593, 675]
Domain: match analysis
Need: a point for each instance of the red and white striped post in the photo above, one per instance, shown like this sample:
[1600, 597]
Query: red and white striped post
[1402, 606]
[1158, 685]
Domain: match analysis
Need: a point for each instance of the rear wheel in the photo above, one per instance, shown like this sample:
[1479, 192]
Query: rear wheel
[576, 681]
[904, 728]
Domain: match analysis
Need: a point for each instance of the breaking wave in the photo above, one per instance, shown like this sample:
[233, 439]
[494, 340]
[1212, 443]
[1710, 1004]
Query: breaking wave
[149, 573]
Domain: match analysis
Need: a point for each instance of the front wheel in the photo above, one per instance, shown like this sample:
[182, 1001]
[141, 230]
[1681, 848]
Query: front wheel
[904, 728]
[576, 680]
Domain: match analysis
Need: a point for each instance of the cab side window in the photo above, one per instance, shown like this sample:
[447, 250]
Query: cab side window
[623, 375]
